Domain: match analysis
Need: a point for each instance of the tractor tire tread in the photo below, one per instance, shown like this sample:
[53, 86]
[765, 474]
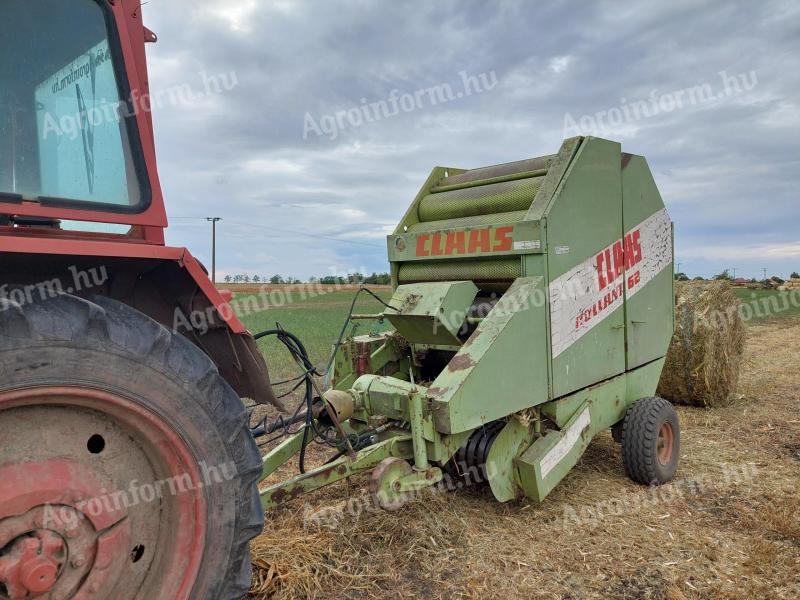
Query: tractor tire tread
[102, 322]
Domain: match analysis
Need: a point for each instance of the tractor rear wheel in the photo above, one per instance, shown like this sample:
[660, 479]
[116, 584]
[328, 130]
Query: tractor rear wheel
[651, 441]
[127, 468]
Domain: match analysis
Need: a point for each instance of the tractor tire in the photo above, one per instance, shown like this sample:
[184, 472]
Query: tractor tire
[651, 437]
[124, 449]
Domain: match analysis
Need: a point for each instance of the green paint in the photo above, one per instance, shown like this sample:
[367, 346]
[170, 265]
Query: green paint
[431, 313]
[397, 447]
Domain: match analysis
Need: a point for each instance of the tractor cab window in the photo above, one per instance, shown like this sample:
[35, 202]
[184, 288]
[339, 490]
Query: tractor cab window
[66, 130]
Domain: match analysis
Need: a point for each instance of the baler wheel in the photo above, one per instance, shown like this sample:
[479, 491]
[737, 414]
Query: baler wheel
[127, 469]
[651, 441]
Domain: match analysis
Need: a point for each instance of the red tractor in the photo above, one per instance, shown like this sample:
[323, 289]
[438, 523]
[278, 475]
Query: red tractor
[127, 466]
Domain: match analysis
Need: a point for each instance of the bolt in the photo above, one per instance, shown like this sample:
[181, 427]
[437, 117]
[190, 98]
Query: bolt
[78, 561]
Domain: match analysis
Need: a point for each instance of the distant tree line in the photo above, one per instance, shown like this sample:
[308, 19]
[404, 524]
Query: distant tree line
[726, 276]
[354, 279]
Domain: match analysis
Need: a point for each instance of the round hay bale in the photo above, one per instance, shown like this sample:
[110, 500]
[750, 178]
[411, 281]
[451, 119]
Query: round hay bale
[705, 355]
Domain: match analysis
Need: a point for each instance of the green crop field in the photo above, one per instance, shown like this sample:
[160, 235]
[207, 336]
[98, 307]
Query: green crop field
[759, 305]
[316, 320]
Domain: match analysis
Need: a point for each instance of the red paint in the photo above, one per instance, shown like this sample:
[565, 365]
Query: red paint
[600, 268]
[503, 240]
[30, 567]
[101, 247]
[456, 243]
[421, 241]
[600, 306]
[146, 239]
[479, 241]
[609, 265]
[619, 260]
[623, 255]
[436, 244]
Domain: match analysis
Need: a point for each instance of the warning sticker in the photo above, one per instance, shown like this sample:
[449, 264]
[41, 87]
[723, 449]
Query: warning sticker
[528, 245]
[585, 295]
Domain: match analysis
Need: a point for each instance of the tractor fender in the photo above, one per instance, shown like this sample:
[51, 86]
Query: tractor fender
[167, 284]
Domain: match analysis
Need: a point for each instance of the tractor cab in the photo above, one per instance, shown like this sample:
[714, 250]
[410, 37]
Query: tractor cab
[73, 135]
[122, 365]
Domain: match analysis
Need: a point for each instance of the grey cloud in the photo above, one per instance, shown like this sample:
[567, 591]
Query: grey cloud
[728, 170]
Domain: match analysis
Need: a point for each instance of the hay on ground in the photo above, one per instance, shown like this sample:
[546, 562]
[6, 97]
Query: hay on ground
[705, 355]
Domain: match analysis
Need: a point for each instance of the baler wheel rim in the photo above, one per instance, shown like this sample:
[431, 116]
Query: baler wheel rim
[666, 443]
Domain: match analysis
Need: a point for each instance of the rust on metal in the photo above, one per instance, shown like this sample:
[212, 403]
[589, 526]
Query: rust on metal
[461, 362]
[362, 361]
[436, 392]
[626, 158]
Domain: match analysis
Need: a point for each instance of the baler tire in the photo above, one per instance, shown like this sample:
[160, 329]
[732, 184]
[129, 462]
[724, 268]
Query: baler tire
[103, 344]
[616, 432]
[642, 431]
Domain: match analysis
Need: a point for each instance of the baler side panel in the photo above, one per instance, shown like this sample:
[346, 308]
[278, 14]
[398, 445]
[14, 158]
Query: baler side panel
[502, 367]
[584, 226]
[649, 301]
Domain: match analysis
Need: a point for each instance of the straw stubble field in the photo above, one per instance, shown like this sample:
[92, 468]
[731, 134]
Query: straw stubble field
[728, 527]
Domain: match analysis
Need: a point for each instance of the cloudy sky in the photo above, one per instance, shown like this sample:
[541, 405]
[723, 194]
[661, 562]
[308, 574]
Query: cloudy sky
[707, 91]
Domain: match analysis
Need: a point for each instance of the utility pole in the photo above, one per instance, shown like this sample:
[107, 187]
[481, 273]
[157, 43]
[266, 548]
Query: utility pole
[765, 274]
[734, 273]
[214, 247]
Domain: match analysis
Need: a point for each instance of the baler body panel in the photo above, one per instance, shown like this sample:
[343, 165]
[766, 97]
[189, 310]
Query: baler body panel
[594, 229]
[500, 369]
[584, 220]
[425, 311]
[649, 304]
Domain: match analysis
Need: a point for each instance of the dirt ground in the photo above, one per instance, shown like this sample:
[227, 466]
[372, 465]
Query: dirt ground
[727, 527]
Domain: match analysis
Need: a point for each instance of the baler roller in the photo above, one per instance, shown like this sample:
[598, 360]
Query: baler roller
[494, 274]
[505, 218]
[502, 170]
[488, 199]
